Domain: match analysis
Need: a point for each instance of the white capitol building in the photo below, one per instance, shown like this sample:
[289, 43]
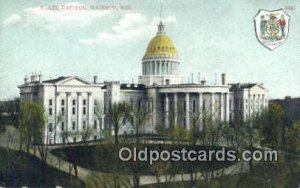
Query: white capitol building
[160, 89]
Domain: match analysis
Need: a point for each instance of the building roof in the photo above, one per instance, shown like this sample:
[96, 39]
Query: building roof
[56, 79]
[242, 86]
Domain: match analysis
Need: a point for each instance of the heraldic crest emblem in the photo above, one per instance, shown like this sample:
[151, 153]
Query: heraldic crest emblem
[271, 27]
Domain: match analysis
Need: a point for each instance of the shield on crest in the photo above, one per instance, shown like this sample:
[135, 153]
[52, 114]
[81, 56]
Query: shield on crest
[271, 27]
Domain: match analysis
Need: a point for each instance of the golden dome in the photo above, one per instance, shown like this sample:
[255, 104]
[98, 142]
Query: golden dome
[161, 44]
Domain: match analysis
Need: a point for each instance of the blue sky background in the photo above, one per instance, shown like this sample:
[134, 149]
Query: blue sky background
[211, 37]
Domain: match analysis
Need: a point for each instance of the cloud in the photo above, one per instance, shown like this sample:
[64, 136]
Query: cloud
[49, 18]
[131, 27]
[13, 19]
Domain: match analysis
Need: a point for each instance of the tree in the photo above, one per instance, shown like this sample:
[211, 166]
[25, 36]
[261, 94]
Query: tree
[32, 124]
[138, 118]
[292, 138]
[99, 112]
[158, 169]
[86, 134]
[273, 125]
[116, 115]
[59, 118]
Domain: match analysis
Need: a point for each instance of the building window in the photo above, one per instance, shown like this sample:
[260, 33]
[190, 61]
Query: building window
[139, 105]
[74, 102]
[83, 124]
[95, 138]
[73, 111]
[240, 104]
[62, 102]
[62, 126]
[109, 106]
[151, 105]
[194, 106]
[204, 105]
[131, 104]
[83, 110]
[95, 124]
[100, 123]
[62, 111]
[148, 105]
[50, 111]
[50, 127]
[73, 125]
[84, 102]
[184, 106]
[50, 102]
[74, 139]
[162, 107]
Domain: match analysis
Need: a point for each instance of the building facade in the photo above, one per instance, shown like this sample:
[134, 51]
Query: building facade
[160, 89]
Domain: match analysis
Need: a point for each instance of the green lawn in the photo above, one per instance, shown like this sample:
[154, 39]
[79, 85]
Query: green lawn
[285, 173]
[105, 158]
[21, 169]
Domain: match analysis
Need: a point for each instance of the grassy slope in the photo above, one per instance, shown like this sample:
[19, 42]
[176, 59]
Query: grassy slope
[105, 158]
[20, 169]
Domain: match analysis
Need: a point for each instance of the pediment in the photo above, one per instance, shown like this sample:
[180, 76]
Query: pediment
[73, 81]
[257, 88]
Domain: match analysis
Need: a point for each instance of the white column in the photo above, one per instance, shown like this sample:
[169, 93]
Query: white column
[168, 67]
[212, 106]
[222, 107]
[166, 111]
[147, 68]
[175, 109]
[79, 112]
[159, 67]
[89, 111]
[57, 112]
[187, 110]
[153, 109]
[200, 109]
[68, 113]
[227, 106]
[258, 104]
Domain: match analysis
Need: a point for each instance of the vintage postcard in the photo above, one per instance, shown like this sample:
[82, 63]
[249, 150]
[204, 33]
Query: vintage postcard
[150, 94]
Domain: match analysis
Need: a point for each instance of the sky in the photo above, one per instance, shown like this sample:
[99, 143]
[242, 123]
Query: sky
[108, 38]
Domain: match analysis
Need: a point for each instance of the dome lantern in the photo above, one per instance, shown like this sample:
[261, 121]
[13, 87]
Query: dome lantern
[161, 27]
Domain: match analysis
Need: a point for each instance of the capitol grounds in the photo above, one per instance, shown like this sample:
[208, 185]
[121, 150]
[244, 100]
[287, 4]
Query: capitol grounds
[124, 161]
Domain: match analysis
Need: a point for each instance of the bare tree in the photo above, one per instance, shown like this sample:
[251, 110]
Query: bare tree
[99, 112]
[138, 117]
[116, 115]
